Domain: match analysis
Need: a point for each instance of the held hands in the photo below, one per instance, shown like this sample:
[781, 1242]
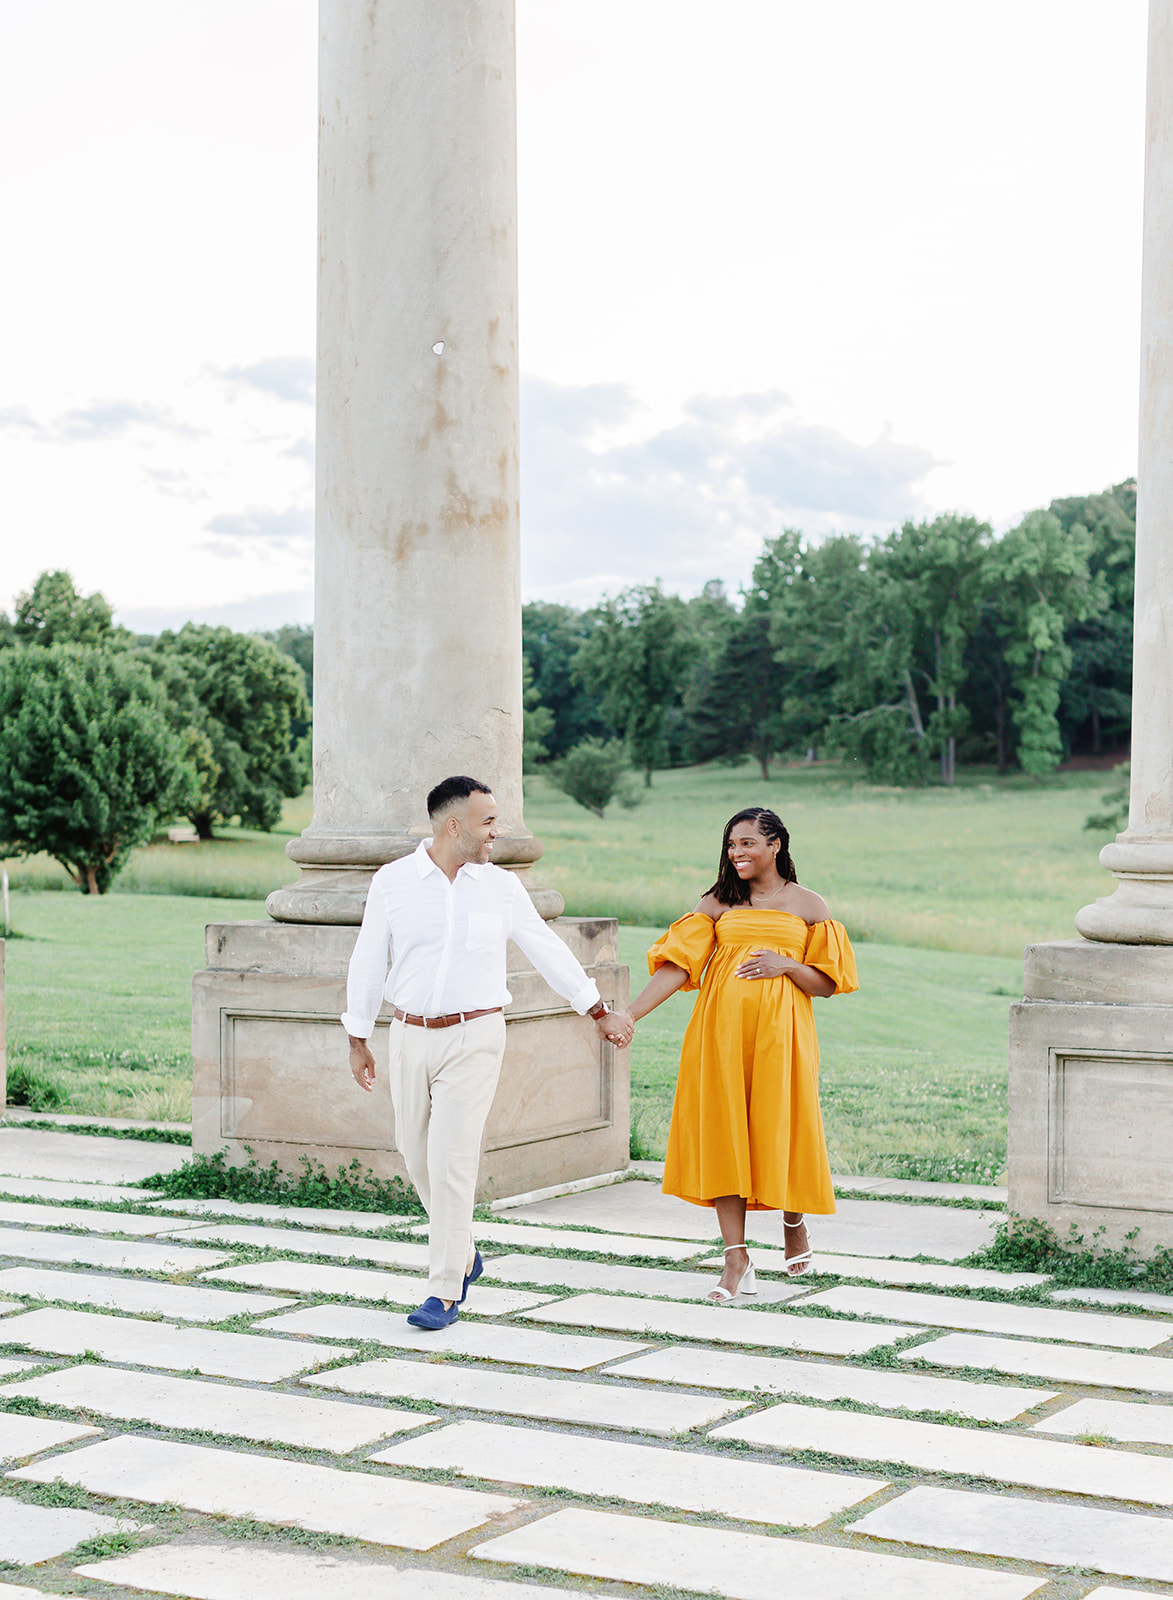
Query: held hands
[617, 1027]
[765, 964]
[362, 1064]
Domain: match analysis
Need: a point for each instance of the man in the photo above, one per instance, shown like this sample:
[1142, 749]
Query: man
[440, 919]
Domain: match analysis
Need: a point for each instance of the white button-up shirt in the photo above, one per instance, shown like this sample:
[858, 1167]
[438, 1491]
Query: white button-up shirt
[445, 943]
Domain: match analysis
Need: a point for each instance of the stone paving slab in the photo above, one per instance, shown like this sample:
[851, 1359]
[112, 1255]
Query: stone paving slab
[29, 1534]
[721, 1324]
[893, 1391]
[1055, 1363]
[184, 1302]
[9, 1305]
[8, 1367]
[860, 1227]
[937, 1447]
[1115, 1297]
[85, 1158]
[19, 1591]
[311, 1242]
[310, 1216]
[357, 1283]
[741, 1566]
[611, 1277]
[260, 1414]
[988, 1316]
[250, 1571]
[516, 1394]
[534, 1236]
[248, 1356]
[523, 1347]
[917, 1189]
[228, 1483]
[28, 1213]
[1131, 1422]
[749, 1491]
[102, 1194]
[21, 1436]
[902, 1273]
[135, 1255]
[1125, 1544]
[1101, 1593]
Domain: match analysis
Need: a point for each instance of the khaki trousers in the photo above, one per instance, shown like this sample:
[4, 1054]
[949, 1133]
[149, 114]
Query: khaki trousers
[442, 1084]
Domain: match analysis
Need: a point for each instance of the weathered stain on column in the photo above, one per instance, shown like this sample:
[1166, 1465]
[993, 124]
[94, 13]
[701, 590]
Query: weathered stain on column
[417, 669]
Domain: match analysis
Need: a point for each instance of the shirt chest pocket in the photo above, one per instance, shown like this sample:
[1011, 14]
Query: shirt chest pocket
[485, 930]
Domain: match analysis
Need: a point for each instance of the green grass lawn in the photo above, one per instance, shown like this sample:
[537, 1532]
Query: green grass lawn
[940, 891]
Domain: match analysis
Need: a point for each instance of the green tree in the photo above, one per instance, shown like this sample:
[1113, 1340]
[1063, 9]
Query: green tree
[1096, 703]
[936, 577]
[1039, 573]
[248, 700]
[594, 774]
[551, 637]
[537, 721]
[635, 658]
[740, 714]
[296, 639]
[53, 612]
[89, 763]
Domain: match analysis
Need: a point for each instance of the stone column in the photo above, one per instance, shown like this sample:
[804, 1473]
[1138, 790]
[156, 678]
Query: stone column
[417, 620]
[417, 647]
[1091, 1045]
[1140, 911]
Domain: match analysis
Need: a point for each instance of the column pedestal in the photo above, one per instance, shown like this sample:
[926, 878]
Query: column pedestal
[272, 1079]
[1091, 1093]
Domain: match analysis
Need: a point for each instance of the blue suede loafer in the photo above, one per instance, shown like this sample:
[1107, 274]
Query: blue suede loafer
[471, 1276]
[432, 1314]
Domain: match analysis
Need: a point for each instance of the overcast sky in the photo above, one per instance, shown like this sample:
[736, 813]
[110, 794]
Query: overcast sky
[824, 266]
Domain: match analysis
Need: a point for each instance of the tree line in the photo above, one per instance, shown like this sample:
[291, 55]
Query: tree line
[937, 645]
[104, 734]
[910, 655]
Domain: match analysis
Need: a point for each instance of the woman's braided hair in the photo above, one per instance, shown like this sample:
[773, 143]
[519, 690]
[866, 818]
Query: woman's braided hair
[731, 890]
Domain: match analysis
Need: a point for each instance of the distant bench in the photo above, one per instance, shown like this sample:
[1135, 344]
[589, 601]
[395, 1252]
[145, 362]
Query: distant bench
[183, 836]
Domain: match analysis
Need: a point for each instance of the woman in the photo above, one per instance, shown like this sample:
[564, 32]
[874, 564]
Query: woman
[746, 1128]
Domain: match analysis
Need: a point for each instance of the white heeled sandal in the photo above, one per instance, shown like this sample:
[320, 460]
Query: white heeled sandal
[746, 1284]
[798, 1266]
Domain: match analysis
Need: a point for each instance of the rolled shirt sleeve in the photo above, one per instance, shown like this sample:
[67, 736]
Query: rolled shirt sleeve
[366, 977]
[550, 955]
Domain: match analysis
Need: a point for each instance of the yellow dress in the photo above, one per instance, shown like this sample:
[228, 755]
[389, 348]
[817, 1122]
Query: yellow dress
[746, 1116]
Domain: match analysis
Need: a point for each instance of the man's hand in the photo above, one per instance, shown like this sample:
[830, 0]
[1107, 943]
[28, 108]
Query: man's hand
[617, 1027]
[362, 1063]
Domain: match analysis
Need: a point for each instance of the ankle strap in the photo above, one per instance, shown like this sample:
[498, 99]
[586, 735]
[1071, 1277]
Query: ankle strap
[729, 1247]
[801, 1223]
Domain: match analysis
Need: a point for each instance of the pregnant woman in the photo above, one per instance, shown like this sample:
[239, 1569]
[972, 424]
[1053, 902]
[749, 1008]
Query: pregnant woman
[746, 1128]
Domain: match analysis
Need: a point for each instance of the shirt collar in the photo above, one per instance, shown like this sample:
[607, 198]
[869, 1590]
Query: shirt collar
[424, 863]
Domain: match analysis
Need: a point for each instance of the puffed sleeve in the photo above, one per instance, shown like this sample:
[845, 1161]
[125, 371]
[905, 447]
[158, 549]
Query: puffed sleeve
[689, 943]
[829, 949]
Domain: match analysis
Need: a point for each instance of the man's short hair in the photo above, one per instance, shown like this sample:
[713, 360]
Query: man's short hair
[450, 792]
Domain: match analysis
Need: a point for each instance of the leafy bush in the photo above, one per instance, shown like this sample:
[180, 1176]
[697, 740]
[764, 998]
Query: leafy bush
[1024, 1244]
[354, 1188]
[594, 773]
[88, 761]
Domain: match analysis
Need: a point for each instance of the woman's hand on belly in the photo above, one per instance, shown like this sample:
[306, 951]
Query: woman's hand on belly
[766, 964]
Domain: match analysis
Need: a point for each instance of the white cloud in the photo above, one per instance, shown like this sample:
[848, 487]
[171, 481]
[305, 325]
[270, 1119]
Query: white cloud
[692, 500]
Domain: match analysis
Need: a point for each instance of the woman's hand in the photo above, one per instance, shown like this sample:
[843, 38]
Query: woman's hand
[765, 964]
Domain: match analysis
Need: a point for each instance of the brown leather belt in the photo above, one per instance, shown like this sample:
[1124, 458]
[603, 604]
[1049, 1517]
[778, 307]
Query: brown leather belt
[449, 1021]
